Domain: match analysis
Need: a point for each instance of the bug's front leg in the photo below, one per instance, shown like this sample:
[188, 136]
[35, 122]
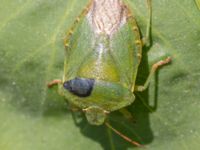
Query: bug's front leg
[57, 82]
[54, 82]
[155, 66]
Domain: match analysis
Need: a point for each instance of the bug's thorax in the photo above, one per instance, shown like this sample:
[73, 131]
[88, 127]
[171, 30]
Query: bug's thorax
[107, 16]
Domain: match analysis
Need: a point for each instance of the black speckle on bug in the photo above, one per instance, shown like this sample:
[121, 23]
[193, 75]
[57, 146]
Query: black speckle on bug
[80, 86]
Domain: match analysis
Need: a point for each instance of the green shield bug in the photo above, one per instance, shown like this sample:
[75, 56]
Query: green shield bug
[103, 52]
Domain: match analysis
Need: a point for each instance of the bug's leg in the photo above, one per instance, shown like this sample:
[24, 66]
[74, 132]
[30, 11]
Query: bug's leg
[127, 114]
[54, 82]
[71, 30]
[123, 136]
[153, 69]
[57, 82]
[146, 39]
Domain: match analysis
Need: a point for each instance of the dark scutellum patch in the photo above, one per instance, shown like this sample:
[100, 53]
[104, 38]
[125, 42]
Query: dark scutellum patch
[81, 87]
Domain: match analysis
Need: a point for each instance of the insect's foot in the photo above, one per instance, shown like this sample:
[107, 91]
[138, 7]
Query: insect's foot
[162, 63]
[54, 82]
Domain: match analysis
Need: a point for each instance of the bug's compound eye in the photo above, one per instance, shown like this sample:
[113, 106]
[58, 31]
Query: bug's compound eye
[79, 86]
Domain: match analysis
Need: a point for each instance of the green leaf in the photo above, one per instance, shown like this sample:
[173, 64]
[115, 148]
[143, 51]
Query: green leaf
[31, 54]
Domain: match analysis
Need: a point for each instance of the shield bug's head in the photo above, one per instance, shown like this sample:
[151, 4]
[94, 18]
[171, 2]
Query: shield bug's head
[95, 115]
[96, 97]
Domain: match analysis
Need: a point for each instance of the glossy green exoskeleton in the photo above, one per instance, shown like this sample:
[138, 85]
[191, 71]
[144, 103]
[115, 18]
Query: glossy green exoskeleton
[103, 52]
[198, 3]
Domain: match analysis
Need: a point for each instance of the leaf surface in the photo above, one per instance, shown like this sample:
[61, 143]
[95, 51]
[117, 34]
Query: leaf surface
[31, 54]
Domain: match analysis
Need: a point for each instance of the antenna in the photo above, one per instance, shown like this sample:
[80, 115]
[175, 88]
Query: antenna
[123, 136]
